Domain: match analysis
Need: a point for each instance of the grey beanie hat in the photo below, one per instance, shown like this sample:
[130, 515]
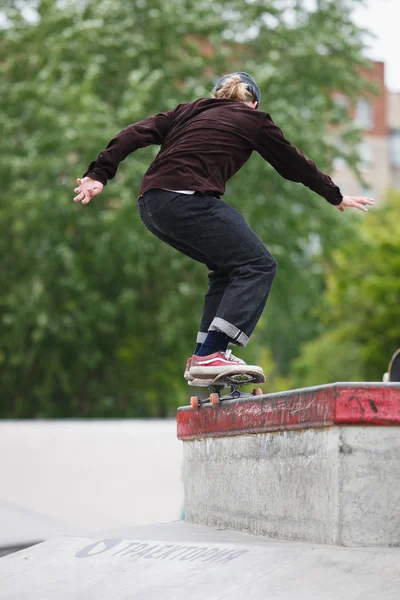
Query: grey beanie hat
[245, 78]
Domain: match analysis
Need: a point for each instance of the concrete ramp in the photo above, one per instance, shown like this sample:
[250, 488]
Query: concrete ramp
[179, 561]
[20, 528]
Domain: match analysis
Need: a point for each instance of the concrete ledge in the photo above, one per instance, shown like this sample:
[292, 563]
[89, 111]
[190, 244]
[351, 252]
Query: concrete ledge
[321, 465]
[322, 406]
[336, 485]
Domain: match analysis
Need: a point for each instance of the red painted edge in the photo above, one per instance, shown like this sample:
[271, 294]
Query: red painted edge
[322, 406]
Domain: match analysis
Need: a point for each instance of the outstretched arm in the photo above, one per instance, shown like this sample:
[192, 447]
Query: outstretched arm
[293, 165]
[138, 135]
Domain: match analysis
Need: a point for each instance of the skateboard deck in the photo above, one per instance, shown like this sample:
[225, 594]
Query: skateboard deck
[393, 372]
[234, 380]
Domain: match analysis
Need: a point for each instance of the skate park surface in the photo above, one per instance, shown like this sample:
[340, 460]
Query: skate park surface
[332, 453]
[180, 560]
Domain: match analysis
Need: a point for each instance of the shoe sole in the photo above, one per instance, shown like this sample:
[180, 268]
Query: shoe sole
[201, 382]
[229, 378]
[212, 372]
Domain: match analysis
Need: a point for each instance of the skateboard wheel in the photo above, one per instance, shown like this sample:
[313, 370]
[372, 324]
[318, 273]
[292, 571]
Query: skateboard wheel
[194, 402]
[214, 397]
[257, 392]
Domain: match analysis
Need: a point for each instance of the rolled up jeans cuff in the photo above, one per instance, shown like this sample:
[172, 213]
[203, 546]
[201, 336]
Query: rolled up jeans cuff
[238, 338]
[201, 337]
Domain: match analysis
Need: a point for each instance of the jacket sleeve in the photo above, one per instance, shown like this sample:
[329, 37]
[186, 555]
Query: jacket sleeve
[152, 130]
[291, 163]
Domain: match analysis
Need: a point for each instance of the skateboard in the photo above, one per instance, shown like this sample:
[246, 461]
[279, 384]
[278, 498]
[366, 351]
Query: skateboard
[393, 372]
[234, 380]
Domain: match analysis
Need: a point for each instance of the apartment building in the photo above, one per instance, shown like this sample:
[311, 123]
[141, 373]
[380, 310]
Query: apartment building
[394, 137]
[379, 117]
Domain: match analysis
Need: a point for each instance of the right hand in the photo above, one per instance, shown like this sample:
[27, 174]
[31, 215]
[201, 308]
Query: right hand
[360, 202]
[87, 189]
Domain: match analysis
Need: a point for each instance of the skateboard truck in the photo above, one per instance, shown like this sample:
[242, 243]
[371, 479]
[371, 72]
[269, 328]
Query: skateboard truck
[232, 380]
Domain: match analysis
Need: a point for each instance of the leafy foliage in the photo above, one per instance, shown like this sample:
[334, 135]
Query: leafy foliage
[98, 316]
[361, 304]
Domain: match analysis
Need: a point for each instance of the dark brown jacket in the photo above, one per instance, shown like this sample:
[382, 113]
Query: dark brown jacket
[204, 143]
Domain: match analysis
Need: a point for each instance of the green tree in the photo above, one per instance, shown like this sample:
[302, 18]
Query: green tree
[98, 316]
[94, 310]
[361, 304]
[311, 54]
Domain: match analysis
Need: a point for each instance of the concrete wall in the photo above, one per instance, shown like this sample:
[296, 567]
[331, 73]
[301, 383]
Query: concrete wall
[334, 485]
[62, 477]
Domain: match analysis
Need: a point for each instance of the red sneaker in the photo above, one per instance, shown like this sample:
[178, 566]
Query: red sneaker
[191, 380]
[220, 362]
[187, 374]
[189, 377]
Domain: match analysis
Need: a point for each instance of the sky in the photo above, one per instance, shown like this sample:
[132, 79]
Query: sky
[382, 17]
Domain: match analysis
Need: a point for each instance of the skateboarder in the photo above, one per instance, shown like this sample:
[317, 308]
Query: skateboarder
[203, 144]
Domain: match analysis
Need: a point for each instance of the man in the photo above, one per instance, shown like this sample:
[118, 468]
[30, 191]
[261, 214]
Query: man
[203, 144]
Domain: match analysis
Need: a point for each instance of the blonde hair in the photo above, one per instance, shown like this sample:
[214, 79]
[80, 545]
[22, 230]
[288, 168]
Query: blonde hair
[235, 89]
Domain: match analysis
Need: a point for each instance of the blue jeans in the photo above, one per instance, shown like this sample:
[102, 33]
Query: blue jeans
[241, 269]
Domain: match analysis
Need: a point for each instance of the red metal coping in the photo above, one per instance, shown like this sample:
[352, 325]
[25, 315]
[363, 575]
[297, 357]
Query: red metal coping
[322, 406]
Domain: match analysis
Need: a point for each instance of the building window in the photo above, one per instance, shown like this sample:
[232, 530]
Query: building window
[339, 162]
[366, 155]
[340, 100]
[366, 190]
[364, 115]
[395, 148]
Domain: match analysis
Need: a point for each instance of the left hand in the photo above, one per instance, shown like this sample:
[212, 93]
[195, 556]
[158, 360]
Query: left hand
[360, 202]
[87, 189]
